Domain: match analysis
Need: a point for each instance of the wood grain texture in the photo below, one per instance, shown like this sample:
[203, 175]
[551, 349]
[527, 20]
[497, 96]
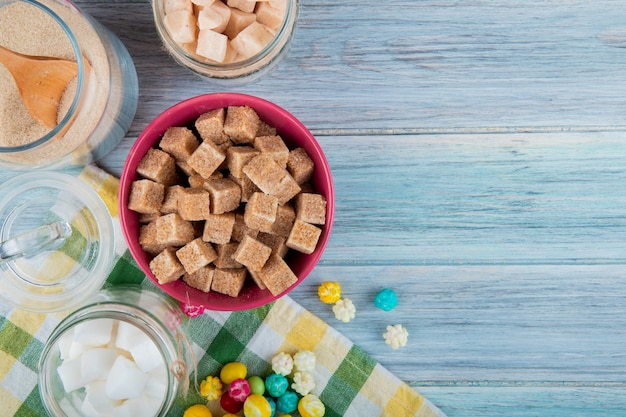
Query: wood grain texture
[478, 150]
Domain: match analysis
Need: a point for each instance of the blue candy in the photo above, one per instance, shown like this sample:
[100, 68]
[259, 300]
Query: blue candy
[386, 299]
[272, 405]
[288, 402]
[276, 385]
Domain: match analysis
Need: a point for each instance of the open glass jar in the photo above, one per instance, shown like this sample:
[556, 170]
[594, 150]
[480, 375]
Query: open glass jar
[98, 104]
[273, 32]
[123, 315]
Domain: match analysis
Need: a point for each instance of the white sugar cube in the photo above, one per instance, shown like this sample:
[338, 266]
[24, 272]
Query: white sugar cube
[96, 363]
[269, 15]
[70, 373]
[65, 343]
[214, 17]
[94, 332]
[212, 45]
[181, 24]
[146, 354]
[138, 407]
[127, 335]
[125, 380]
[173, 5]
[157, 384]
[252, 40]
[96, 402]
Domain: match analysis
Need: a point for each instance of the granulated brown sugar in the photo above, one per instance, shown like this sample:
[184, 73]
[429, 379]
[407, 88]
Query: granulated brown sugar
[29, 30]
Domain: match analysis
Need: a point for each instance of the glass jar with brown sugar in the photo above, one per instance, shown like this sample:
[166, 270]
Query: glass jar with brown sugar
[96, 106]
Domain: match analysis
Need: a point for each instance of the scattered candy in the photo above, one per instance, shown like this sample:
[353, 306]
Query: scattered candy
[386, 299]
[282, 363]
[303, 383]
[232, 371]
[288, 402]
[257, 406]
[257, 385]
[329, 292]
[304, 361]
[197, 410]
[311, 406]
[211, 388]
[344, 310]
[276, 385]
[396, 336]
[239, 390]
[191, 311]
[229, 404]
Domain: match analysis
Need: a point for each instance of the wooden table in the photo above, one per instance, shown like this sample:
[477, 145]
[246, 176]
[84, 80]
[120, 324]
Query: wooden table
[479, 158]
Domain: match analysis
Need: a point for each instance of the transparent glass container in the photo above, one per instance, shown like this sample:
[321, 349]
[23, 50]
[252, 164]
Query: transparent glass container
[157, 316]
[98, 105]
[236, 73]
[56, 241]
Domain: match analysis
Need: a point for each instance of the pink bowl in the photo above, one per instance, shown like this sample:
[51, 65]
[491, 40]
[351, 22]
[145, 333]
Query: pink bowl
[293, 132]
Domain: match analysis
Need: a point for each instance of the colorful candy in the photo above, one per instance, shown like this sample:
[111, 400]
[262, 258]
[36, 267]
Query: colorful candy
[311, 406]
[303, 383]
[329, 292]
[197, 410]
[211, 388]
[229, 404]
[276, 385]
[386, 299]
[282, 363]
[288, 402]
[344, 310]
[396, 336]
[304, 361]
[257, 385]
[257, 406]
[239, 390]
[232, 371]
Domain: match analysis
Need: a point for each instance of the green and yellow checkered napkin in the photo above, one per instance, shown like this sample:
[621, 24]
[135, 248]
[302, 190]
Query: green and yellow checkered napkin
[349, 382]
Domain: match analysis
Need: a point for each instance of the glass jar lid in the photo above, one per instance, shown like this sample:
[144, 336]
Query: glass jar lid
[57, 241]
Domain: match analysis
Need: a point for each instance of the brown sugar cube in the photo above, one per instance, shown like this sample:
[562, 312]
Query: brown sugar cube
[276, 275]
[180, 142]
[300, 165]
[194, 203]
[206, 159]
[303, 237]
[237, 157]
[170, 201]
[251, 253]
[285, 216]
[166, 267]
[201, 279]
[186, 168]
[146, 196]
[271, 178]
[274, 147]
[158, 166]
[260, 211]
[196, 181]
[148, 239]
[241, 124]
[228, 281]
[173, 230]
[240, 229]
[257, 279]
[218, 228]
[210, 126]
[225, 256]
[247, 187]
[311, 208]
[274, 242]
[225, 194]
[145, 218]
[265, 130]
[307, 187]
[196, 254]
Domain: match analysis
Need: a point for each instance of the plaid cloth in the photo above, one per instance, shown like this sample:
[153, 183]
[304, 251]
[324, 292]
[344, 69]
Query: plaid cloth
[348, 381]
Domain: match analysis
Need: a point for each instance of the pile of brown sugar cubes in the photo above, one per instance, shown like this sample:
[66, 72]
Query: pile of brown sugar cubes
[225, 199]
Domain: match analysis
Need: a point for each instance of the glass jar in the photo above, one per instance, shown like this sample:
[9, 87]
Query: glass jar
[97, 106]
[239, 71]
[158, 317]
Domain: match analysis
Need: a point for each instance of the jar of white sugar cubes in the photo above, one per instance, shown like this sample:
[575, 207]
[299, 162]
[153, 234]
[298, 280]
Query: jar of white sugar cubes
[93, 104]
[229, 41]
[122, 354]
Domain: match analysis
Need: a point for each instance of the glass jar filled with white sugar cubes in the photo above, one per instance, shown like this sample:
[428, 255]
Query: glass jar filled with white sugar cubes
[228, 41]
[123, 354]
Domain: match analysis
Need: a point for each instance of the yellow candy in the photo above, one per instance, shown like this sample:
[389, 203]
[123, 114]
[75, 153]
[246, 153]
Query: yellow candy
[232, 371]
[311, 406]
[257, 406]
[198, 410]
[329, 292]
[211, 388]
